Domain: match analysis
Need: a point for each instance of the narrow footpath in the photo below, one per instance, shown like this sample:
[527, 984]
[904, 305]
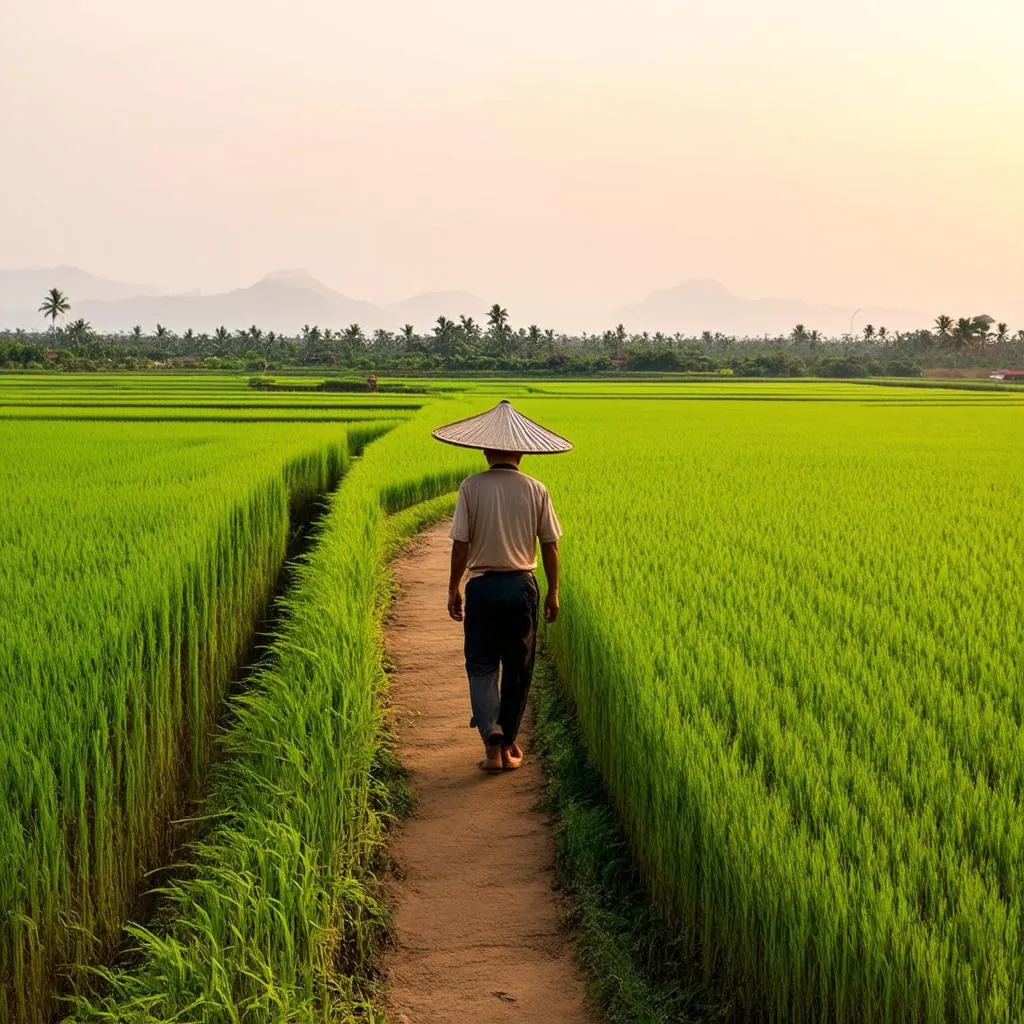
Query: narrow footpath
[478, 929]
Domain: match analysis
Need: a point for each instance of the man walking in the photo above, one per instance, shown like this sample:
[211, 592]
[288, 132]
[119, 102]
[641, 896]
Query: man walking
[500, 516]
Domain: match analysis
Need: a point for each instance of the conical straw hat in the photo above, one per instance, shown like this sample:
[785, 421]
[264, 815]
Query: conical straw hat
[505, 430]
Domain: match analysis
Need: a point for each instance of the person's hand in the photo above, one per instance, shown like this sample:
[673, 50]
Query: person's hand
[455, 604]
[551, 606]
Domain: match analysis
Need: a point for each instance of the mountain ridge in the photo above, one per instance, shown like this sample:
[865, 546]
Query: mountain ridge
[286, 299]
[702, 304]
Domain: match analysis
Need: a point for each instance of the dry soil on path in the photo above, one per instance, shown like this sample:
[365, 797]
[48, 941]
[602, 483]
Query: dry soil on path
[479, 934]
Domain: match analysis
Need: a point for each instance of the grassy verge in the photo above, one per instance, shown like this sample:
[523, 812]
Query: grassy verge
[636, 971]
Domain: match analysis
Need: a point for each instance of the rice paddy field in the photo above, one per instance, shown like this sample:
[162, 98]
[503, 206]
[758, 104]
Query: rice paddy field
[792, 630]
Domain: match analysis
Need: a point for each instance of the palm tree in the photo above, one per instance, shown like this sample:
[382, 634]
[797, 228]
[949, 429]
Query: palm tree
[161, 331]
[54, 305]
[982, 326]
[965, 336]
[353, 341]
[498, 329]
[408, 337]
[944, 325]
[883, 334]
[79, 331]
[798, 335]
[533, 335]
[470, 328]
[619, 341]
[1001, 332]
[137, 334]
[221, 337]
[497, 317]
[311, 343]
[869, 332]
[444, 333]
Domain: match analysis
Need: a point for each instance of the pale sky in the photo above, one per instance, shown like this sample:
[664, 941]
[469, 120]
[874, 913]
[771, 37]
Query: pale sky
[550, 155]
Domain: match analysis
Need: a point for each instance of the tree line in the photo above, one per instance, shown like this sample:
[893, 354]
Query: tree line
[465, 344]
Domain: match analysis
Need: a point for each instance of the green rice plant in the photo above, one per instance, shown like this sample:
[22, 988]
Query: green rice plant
[793, 634]
[135, 564]
[274, 919]
[791, 629]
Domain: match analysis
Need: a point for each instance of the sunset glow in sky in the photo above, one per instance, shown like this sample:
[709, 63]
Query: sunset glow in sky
[553, 155]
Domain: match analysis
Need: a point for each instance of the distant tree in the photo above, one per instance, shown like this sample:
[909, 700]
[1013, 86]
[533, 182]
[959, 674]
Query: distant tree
[55, 304]
[161, 332]
[1001, 333]
[79, 332]
[883, 334]
[498, 331]
[982, 328]
[220, 345]
[470, 329]
[534, 340]
[497, 317]
[619, 341]
[869, 331]
[407, 338]
[444, 337]
[137, 334]
[798, 335]
[310, 346]
[968, 334]
[944, 326]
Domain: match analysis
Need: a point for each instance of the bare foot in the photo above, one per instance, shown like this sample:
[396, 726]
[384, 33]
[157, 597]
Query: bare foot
[493, 761]
[511, 757]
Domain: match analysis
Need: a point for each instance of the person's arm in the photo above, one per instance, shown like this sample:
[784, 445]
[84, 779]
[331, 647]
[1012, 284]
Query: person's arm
[461, 534]
[460, 556]
[549, 555]
[548, 532]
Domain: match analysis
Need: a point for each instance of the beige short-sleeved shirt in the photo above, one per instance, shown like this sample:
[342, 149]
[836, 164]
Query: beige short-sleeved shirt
[502, 513]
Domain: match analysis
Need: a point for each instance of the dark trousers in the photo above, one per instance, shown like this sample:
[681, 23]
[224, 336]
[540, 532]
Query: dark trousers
[501, 643]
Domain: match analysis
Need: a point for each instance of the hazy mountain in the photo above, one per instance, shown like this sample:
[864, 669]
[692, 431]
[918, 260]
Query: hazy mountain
[282, 301]
[24, 289]
[700, 305]
[423, 310]
[286, 299]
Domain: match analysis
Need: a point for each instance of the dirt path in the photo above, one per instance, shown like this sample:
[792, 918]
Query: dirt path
[479, 934]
